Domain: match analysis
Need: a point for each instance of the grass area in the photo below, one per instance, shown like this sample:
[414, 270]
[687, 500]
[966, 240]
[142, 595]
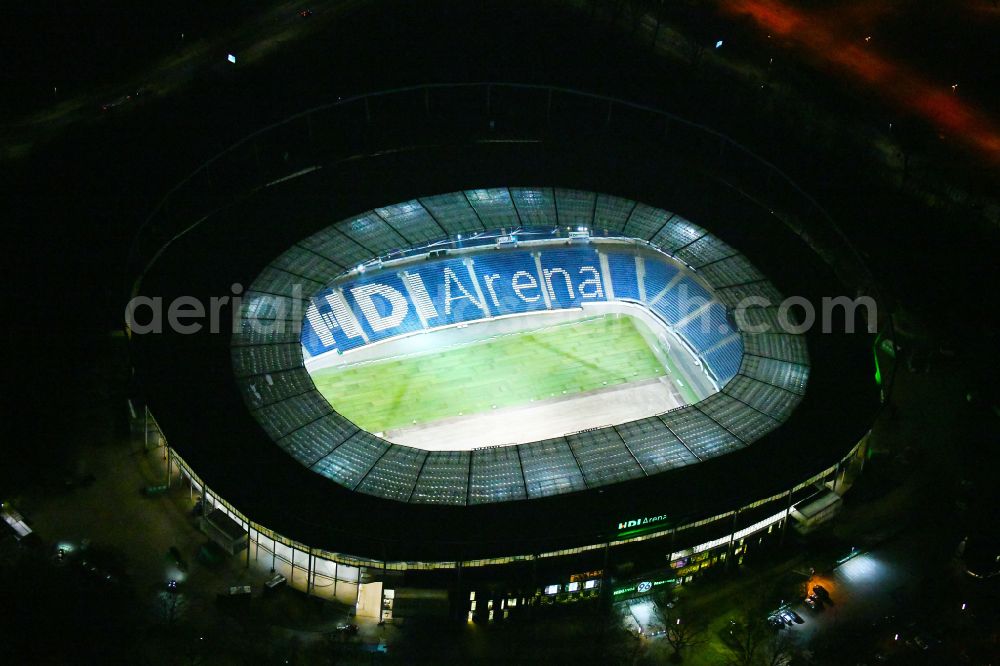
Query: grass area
[498, 372]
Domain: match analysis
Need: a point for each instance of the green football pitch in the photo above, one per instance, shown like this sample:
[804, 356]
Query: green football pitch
[503, 371]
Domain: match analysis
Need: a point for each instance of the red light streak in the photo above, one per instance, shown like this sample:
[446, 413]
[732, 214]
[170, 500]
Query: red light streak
[833, 40]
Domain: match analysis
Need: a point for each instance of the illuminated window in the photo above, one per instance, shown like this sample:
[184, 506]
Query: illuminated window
[572, 587]
[551, 589]
[590, 584]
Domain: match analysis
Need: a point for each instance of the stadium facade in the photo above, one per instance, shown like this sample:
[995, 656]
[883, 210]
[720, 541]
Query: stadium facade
[463, 164]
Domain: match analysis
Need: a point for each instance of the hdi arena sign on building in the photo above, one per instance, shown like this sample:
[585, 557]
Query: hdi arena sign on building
[450, 291]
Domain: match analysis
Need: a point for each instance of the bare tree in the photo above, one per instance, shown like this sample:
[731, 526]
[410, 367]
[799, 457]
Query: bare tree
[681, 631]
[754, 641]
[609, 641]
[777, 650]
[682, 634]
[749, 633]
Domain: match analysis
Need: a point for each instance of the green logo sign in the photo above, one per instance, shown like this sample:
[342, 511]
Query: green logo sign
[639, 524]
[642, 587]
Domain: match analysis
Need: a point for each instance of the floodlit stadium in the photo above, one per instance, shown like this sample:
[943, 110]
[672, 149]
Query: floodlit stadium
[494, 324]
[597, 359]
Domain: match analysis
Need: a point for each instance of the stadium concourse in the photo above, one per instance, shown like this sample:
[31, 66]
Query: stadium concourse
[694, 287]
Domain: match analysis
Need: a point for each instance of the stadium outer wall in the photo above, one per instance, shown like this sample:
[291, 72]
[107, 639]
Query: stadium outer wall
[217, 228]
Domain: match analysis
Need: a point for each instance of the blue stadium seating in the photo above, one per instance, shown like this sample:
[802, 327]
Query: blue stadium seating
[624, 278]
[324, 318]
[311, 341]
[572, 276]
[668, 307]
[707, 328]
[442, 292]
[683, 299]
[451, 290]
[697, 291]
[504, 294]
[724, 361]
[372, 301]
[658, 275]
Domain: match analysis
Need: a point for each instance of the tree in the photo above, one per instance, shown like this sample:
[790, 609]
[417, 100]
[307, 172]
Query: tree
[683, 634]
[680, 632]
[777, 649]
[754, 641]
[609, 641]
[748, 635]
[750, 630]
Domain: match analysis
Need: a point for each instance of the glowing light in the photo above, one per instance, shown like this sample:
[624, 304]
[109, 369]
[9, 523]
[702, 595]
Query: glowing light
[231, 58]
[829, 40]
[878, 370]
[864, 569]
